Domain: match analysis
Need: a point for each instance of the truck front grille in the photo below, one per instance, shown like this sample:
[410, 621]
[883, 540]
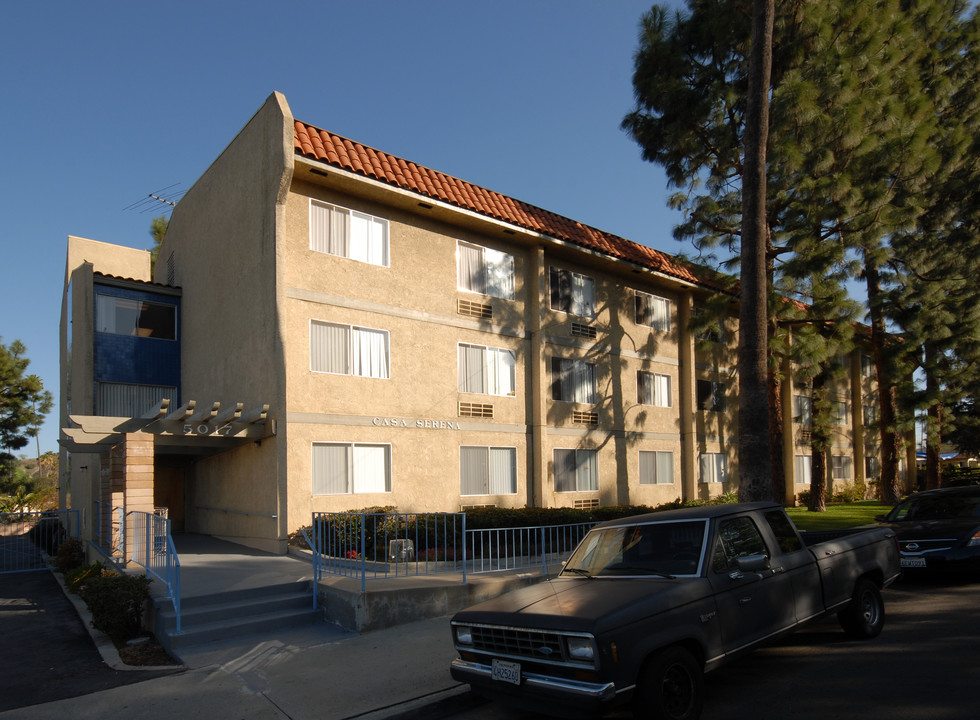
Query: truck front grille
[519, 643]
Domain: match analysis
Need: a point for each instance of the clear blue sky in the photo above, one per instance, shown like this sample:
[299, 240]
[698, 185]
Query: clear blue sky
[105, 102]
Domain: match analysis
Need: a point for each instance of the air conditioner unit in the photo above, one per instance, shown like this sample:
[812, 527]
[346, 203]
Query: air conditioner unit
[401, 551]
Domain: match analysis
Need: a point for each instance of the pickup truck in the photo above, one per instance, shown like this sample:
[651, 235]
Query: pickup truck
[646, 605]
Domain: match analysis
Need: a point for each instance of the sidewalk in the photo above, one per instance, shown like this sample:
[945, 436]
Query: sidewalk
[378, 675]
[318, 672]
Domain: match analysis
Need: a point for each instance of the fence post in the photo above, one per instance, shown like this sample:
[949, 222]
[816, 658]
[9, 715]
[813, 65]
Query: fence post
[464, 548]
[544, 555]
[363, 550]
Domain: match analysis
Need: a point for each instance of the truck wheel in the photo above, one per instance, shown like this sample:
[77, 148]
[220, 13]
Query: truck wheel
[671, 687]
[864, 616]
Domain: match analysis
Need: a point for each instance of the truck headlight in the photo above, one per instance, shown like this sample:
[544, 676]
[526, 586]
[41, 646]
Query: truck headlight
[975, 540]
[580, 648]
[464, 635]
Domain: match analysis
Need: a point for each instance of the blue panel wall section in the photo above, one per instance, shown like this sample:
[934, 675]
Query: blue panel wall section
[137, 360]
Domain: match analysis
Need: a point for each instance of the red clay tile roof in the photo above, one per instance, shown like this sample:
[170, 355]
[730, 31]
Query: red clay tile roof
[354, 157]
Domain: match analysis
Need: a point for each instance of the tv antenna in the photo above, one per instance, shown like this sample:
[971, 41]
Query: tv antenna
[151, 203]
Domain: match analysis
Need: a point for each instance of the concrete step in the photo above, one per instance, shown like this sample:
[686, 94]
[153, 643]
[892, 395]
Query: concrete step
[228, 615]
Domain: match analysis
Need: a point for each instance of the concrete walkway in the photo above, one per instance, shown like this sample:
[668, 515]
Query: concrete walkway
[321, 672]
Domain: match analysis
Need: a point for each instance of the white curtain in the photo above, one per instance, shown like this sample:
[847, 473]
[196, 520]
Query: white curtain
[472, 369]
[371, 469]
[330, 348]
[583, 295]
[368, 239]
[582, 375]
[803, 473]
[503, 471]
[665, 468]
[470, 272]
[662, 392]
[502, 371]
[369, 353]
[329, 229]
[500, 274]
[331, 469]
[474, 471]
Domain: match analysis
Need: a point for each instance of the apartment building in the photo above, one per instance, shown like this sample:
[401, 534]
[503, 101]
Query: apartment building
[329, 327]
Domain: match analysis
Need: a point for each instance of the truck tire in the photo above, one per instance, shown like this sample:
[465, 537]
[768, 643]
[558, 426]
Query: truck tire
[864, 616]
[670, 687]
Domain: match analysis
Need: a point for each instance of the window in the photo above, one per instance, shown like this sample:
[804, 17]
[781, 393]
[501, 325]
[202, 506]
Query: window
[652, 311]
[840, 411]
[131, 400]
[711, 395]
[803, 465]
[137, 318]
[486, 370]
[840, 467]
[656, 468]
[572, 293]
[737, 538]
[576, 470]
[802, 410]
[714, 467]
[487, 471]
[348, 350]
[653, 389]
[867, 366]
[351, 468]
[784, 532]
[870, 414]
[708, 329]
[339, 231]
[573, 380]
[484, 271]
[872, 467]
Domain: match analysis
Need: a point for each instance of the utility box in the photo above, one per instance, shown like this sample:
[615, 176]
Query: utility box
[401, 551]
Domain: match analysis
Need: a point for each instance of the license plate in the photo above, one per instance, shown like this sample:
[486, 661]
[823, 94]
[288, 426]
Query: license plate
[504, 671]
[913, 562]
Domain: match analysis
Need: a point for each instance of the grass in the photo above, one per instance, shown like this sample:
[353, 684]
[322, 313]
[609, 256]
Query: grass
[838, 516]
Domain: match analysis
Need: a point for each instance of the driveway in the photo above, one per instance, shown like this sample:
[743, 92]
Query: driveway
[47, 653]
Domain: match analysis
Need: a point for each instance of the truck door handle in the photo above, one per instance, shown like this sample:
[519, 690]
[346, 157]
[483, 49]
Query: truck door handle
[744, 600]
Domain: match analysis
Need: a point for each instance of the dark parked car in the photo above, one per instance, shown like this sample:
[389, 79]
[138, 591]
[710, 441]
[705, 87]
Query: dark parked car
[938, 529]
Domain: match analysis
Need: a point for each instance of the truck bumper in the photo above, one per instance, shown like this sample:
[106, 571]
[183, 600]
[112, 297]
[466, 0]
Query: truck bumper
[575, 698]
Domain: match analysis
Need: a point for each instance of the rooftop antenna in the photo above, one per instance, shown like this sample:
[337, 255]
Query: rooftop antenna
[151, 203]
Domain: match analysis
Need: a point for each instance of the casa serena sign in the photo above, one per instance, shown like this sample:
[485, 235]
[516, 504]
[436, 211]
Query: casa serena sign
[418, 423]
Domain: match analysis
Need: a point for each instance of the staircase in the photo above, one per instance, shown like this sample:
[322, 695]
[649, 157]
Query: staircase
[226, 616]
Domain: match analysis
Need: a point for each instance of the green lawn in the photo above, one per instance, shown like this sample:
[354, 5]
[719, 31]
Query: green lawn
[838, 516]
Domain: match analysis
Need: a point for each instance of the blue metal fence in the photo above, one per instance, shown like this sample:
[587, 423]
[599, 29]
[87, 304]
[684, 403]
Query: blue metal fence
[149, 543]
[27, 539]
[370, 546]
[523, 548]
[382, 545]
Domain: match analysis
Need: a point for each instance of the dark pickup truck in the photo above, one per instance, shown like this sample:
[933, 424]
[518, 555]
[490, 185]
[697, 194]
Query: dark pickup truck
[647, 604]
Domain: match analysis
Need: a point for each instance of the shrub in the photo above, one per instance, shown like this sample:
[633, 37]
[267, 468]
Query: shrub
[116, 602]
[77, 576]
[960, 476]
[803, 498]
[47, 534]
[849, 494]
[71, 554]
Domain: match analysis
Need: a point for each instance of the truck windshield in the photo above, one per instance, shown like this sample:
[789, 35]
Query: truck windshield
[666, 549]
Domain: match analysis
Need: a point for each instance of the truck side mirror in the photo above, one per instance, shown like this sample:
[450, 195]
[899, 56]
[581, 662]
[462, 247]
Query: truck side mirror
[752, 563]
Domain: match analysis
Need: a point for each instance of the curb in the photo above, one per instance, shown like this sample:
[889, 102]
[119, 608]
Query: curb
[103, 643]
[434, 706]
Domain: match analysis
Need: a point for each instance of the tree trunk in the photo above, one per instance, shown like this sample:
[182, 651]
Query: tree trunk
[819, 442]
[887, 396]
[755, 477]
